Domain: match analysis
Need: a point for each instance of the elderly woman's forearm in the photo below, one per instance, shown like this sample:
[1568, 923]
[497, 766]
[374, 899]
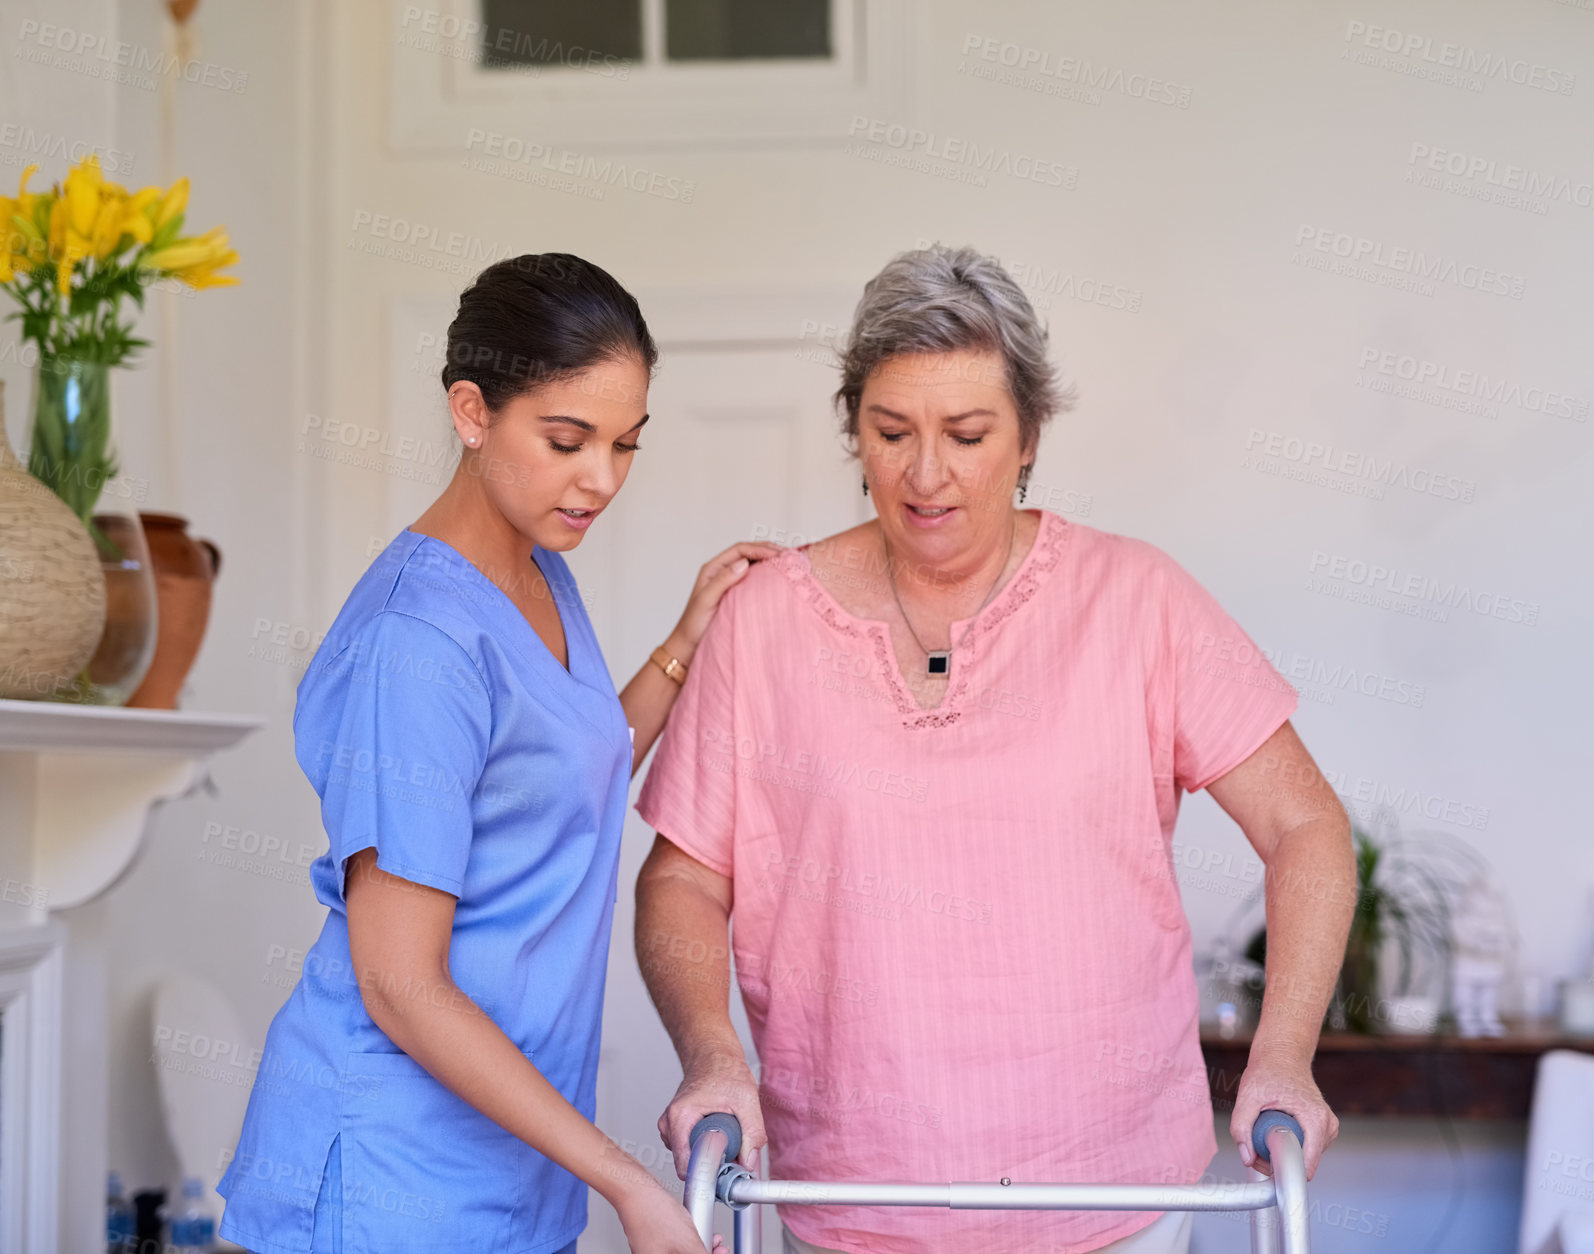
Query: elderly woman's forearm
[683, 949]
[1311, 894]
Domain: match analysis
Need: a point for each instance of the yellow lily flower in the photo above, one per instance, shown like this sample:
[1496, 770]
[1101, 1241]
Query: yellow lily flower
[55, 239]
[174, 202]
[91, 222]
[196, 259]
[22, 236]
[137, 221]
[14, 244]
[108, 227]
[64, 247]
[26, 199]
[200, 280]
[82, 190]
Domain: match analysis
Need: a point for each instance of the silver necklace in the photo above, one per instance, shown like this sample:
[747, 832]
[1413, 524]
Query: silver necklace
[939, 661]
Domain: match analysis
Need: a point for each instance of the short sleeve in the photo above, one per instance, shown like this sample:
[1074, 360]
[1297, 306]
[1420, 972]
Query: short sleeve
[689, 795]
[393, 732]
[1227, 697]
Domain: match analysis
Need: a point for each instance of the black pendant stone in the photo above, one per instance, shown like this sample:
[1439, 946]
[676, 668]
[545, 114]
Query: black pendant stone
[938, 662]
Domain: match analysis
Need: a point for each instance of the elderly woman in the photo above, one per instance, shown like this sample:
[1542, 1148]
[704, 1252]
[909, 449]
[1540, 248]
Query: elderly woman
[934, 764]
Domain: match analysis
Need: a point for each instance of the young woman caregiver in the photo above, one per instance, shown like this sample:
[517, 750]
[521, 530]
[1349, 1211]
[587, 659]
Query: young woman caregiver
[430, 1083]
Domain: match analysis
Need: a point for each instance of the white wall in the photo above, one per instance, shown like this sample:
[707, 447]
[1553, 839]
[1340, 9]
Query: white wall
[1212, 325]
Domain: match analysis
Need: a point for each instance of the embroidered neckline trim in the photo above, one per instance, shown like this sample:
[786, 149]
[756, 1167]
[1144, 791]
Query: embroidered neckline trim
[1044, 554]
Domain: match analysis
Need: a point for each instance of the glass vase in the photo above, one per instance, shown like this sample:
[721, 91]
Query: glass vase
[74, 452]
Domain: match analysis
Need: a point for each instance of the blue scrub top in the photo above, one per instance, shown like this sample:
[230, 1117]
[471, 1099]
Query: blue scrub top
[437, 727]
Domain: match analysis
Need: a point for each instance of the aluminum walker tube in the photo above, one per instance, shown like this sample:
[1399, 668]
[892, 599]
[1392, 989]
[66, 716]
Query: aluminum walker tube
[1278, 1205]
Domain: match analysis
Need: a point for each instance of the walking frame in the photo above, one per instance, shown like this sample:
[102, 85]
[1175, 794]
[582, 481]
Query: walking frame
[1277, 1203]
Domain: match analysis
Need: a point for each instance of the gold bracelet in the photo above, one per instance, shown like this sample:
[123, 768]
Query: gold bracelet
[671, 666]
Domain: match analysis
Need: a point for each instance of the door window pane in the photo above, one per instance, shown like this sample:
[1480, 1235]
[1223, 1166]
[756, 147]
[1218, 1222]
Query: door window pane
[704, 30]
[560, 32]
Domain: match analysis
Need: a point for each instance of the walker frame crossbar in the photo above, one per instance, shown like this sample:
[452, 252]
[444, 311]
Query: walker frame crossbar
[1277, 1203]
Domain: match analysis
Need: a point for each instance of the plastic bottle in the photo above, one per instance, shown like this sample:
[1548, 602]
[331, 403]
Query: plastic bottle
[193, 1229]
[118, 1217]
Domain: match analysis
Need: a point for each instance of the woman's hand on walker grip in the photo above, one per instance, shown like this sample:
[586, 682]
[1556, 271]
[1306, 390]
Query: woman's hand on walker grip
[719, 574]
[719, 1082]
[1272, 1082]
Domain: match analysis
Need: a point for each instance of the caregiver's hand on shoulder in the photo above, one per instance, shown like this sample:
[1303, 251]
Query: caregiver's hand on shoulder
[720, 573]
[1278, 1082]
[718, 1082]
[656, 1222]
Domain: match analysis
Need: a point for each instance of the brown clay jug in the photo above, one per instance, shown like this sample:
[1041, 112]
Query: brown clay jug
[185, 569]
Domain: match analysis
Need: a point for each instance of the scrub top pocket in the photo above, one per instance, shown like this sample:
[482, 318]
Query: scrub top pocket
[424, 1170]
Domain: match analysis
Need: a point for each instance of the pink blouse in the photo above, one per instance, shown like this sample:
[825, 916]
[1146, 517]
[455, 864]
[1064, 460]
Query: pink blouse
[957, 931]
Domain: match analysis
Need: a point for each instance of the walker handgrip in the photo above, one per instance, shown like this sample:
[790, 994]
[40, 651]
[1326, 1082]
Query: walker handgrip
[722, 1122]
[1265, 1123]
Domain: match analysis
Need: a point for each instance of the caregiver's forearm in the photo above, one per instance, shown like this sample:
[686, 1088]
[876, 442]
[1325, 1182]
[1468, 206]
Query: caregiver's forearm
[683, 948]
[1311, 894]
[650, 694]
[430, 1019]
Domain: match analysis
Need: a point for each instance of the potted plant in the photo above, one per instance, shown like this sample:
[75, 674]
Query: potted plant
[74, 258]
[1401, 937]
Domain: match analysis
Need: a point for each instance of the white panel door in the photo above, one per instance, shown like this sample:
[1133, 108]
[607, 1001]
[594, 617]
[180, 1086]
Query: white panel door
[741, 444]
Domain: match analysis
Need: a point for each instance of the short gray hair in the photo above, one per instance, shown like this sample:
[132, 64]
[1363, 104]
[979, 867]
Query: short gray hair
[941, 299]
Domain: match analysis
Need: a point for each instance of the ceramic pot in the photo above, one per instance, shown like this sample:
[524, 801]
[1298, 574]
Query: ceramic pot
[185, 569]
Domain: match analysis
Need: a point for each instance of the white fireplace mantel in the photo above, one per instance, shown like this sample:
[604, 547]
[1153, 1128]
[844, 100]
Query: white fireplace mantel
[78, 783]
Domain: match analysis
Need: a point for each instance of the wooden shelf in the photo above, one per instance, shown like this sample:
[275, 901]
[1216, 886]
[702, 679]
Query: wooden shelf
[1488, 1077]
